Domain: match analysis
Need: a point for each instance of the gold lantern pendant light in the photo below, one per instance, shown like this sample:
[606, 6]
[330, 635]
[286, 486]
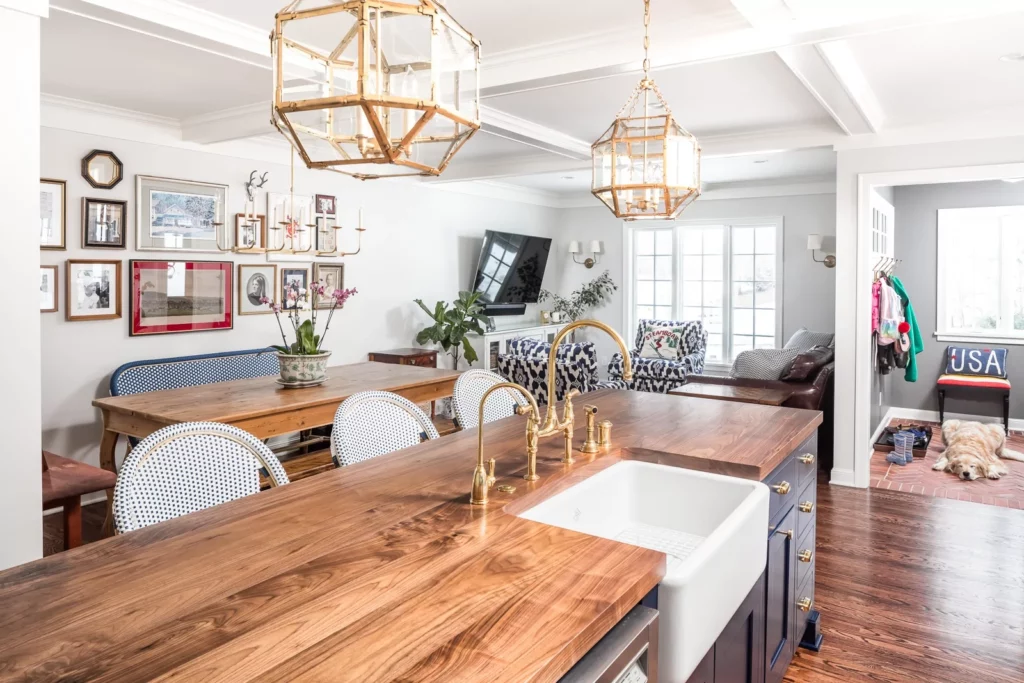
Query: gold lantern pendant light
[374, 88]
[646, 165]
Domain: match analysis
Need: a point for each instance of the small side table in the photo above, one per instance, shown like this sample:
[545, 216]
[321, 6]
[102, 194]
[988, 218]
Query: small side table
[65, 481]
[425, 358]
[727, 392]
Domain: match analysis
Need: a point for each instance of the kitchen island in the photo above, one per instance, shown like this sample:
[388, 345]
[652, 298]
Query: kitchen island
[378, 571]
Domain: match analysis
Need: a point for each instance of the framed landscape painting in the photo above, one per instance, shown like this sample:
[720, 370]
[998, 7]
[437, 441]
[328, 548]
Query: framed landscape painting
[179, 215]
[180, 296]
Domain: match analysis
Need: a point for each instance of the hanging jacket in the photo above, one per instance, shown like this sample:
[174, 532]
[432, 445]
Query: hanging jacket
[916, 342]
[876, 288]
[890, 314]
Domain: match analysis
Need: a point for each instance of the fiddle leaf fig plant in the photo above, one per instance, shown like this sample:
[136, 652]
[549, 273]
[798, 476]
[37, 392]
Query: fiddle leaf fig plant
[452, 325]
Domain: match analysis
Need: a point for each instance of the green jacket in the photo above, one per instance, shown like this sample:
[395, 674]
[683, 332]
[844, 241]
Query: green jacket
[916, 343]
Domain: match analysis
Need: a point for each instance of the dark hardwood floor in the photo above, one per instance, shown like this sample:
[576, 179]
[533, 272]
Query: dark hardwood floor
[911, 588]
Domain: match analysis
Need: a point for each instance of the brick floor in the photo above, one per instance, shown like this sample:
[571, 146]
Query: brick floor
[919, 477]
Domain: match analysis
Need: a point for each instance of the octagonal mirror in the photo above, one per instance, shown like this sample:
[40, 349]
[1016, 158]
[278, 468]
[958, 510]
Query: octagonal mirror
[102, 169]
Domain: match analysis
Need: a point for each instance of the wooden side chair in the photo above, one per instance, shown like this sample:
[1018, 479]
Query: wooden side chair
[470, 388]
[372, 423]
[979, 371]
[188, 467]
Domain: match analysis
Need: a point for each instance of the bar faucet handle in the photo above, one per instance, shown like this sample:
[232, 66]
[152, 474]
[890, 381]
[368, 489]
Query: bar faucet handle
[490, 472]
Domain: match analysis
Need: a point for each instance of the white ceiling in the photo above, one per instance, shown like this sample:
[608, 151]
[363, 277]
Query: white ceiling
[746, 76]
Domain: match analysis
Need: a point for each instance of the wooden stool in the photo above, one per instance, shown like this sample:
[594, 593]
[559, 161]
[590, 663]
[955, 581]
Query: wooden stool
[988, 385]
[65, 481]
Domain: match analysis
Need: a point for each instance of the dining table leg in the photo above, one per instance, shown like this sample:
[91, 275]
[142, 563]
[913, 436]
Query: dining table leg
[108, 446]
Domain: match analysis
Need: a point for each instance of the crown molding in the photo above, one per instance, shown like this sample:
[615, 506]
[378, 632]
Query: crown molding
[246, 121]
[782, 187]
[35, 8]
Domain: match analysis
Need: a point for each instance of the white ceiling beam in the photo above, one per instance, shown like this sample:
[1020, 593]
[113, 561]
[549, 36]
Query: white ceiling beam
[605, 55]
[840, 59]
[533, 134]
[248, 121]
[843, 92]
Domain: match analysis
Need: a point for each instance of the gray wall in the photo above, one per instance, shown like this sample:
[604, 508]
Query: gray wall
[916, 230]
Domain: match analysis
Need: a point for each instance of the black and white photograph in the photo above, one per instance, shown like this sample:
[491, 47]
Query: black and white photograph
[93, 290]
[333, 277]
[250, 231]
[255, 282]
[326, 235]
[326, 205]
[294, 282]
[52, 213]
[104, 223]
[47, 289]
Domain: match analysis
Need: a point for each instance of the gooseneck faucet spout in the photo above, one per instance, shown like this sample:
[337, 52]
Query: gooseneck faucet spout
[551, 424]
[483, 479]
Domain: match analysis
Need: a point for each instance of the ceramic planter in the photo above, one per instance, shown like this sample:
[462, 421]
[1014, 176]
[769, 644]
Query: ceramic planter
[303, 371]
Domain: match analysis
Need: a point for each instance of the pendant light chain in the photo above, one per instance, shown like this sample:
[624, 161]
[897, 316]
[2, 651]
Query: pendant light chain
[647, 83]
[647, 39]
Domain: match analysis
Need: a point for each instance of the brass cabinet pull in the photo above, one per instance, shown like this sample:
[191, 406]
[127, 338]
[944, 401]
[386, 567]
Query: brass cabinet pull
[804, 605]
[782, 488]
[806, 506]
[788, 534]
[805, 555]
[806, 458]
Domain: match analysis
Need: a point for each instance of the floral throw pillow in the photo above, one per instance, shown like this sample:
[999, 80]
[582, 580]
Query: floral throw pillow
[665, 343]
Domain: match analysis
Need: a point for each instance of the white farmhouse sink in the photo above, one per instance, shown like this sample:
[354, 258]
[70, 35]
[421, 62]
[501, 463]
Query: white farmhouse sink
[714, 530]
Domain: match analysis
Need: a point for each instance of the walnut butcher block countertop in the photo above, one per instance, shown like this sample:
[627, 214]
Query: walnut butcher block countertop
[376, 572]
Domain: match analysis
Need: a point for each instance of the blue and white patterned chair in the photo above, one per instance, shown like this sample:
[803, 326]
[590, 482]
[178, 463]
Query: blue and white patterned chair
[469, 390]
[372, 423]
[188, 467]
[657, 375]
[526, 363]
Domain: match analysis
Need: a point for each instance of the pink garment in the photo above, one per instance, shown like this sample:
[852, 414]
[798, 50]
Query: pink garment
[875, 289]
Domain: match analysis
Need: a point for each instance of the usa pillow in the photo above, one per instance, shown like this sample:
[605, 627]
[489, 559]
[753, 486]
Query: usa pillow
[966, 361]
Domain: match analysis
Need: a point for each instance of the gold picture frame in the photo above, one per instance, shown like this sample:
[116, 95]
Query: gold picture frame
[72, 277]
[49, 213]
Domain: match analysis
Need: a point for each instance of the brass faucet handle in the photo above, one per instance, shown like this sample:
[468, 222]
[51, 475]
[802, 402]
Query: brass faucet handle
[490, 472]
[523, 410]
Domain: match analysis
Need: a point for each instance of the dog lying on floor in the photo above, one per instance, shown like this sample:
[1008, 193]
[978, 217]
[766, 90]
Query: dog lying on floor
[973, 450]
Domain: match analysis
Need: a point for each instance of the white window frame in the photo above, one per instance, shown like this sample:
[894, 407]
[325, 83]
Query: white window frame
[942, 333]
[678, 227]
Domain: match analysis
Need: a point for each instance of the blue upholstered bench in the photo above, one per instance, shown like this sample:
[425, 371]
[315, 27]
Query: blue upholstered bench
[192, 371]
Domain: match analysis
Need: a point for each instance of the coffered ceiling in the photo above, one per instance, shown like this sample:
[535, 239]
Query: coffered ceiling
[777, 81]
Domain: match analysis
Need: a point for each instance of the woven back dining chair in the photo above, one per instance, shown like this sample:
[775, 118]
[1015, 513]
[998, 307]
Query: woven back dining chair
[372, 423]
[188, 467]
[469, 390]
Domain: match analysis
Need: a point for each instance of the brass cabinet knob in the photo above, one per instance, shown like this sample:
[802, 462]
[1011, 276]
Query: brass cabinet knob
[805, 555]
[782, 488]
[806, 458]
[807, 506]
[804, 605]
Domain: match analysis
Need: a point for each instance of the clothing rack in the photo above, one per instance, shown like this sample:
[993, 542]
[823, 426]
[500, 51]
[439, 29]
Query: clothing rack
[886, 265]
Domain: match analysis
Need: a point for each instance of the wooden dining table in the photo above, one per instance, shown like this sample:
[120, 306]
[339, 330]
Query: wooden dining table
[260, 405]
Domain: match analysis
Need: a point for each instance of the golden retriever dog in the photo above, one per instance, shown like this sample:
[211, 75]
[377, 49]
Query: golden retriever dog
[973, 450]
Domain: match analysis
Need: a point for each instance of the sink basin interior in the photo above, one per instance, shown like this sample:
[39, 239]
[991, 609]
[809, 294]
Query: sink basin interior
[663, 508]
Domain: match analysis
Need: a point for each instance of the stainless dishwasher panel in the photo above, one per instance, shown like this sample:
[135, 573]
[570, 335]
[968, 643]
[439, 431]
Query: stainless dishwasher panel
[632, 641]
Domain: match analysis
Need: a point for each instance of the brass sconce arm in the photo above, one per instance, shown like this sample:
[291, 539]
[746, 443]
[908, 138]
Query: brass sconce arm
[483, 479]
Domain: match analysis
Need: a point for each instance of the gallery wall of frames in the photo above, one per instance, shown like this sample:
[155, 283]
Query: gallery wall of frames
[418, 243]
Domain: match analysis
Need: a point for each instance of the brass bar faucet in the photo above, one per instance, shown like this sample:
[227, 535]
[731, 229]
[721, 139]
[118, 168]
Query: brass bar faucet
[483, 479]
[590, 445]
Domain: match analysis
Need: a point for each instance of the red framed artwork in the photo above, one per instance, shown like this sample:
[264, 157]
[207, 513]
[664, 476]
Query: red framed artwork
[181, 296]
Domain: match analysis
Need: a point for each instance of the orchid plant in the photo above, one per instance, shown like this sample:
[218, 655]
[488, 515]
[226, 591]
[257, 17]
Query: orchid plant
[307, 341]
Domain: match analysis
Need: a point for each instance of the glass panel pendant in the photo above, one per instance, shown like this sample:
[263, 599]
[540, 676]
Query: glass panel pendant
[374, 88]
[646, 165]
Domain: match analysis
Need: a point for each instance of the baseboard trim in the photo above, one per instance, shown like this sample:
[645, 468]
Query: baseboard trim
[1016, 424]
[841, 477]
[88, 499]
[882, 424]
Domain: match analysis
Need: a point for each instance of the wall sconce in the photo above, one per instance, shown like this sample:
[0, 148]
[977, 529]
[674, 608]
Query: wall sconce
[589, 262]
[814, 243]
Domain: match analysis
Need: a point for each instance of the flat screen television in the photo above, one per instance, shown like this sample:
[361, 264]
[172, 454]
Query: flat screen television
[510, 270]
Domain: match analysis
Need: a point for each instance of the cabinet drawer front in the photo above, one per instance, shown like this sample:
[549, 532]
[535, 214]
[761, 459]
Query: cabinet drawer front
[808, 498]
[425, 361]
[803, 594]
[805, 570]
[782, 484]
[806, 456]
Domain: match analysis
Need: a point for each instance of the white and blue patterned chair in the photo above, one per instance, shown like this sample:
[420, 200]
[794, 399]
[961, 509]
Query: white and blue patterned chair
[469, 390]
[372, 423]
[188, 467]
[526, 363]
[657, 375]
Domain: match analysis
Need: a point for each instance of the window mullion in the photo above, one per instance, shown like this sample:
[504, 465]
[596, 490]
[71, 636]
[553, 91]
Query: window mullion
[727, 294]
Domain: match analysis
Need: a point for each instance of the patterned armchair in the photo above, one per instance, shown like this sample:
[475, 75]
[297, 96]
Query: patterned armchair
[657, 375]
[526, 363]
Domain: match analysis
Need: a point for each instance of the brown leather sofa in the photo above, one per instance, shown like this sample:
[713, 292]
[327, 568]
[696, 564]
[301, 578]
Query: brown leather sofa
[814, 393]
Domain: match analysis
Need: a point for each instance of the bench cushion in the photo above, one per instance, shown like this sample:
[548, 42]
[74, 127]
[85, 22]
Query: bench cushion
[980, 381]
[192, 371]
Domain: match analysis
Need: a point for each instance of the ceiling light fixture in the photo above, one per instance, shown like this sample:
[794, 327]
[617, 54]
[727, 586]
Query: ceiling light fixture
[374, 88]
[646, 166]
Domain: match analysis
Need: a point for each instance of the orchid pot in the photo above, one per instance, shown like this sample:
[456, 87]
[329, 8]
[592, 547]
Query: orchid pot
[302, 370]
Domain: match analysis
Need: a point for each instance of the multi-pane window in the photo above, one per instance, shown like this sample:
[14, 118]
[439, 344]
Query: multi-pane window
[724, 275]
[981, 273]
